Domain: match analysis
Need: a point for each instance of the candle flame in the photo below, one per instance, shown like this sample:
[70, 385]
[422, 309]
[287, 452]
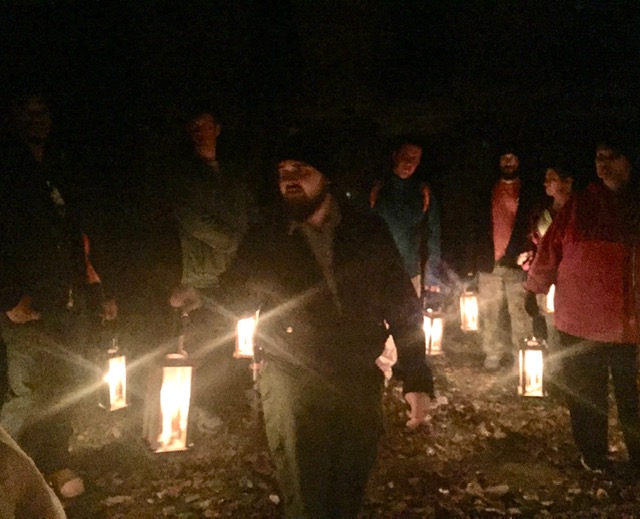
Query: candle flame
[175, 396]
[245, 335]
[469, 312]
[433, 327]
[116, 377]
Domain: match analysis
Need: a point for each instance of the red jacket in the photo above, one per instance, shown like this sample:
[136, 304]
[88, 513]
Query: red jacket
[589, 254]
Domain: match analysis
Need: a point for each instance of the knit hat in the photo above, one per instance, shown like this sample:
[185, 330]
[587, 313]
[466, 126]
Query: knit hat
[312, 148]
[508, 147]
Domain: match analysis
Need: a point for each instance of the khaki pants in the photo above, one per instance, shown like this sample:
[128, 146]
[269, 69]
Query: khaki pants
[503, 290]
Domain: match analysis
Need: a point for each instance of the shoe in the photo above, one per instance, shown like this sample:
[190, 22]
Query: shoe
[492, 363]
[66, 483]
[598, 466]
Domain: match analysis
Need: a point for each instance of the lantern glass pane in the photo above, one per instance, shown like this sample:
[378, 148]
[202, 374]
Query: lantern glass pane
[531, 372]
[433, 328]
[116, 377]
[175, 396]
[245, 334]
[469, 311]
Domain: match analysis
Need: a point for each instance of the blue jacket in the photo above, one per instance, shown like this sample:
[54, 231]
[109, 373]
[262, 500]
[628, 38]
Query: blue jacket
[412, 213]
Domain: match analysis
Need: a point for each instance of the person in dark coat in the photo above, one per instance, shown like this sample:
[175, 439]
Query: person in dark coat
[51, 285]
[325, 277]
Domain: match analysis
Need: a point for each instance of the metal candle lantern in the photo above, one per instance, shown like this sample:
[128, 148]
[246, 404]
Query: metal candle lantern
[116, 378]
[433, 328]
[469, 311]
[549, 306]
[169, 399]
[531, 368]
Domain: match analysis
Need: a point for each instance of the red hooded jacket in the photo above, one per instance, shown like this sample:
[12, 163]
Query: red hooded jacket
[588, 252]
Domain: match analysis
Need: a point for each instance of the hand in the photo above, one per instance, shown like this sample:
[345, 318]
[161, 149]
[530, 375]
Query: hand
[186, 298]
[531, 304]
[524, 260]
[109, 310]
[419, 405]
[23, 313]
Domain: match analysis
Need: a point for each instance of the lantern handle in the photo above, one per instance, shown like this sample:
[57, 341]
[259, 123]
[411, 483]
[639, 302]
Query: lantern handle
[184, 324]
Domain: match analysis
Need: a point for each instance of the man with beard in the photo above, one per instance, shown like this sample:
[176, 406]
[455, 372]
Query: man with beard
[325, 277]
[502, 213]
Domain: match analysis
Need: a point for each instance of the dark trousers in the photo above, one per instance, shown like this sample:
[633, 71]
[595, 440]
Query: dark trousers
[42, 368]
[323, 439]
[586, 368]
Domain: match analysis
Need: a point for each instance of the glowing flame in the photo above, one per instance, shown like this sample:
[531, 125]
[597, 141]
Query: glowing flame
[175, 396]
[245, 335]
[531, 372]
[433, 325]
[469, 311]
[116, 377]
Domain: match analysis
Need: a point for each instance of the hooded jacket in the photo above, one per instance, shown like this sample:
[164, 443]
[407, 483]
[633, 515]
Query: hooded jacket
[588, 252]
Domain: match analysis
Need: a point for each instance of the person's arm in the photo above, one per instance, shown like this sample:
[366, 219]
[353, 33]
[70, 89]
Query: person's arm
[219, 229]
[240, 291]
[433, 241]
[403, 312]
[14, 300]
[106, 302]
[543, 270]
[205, 228]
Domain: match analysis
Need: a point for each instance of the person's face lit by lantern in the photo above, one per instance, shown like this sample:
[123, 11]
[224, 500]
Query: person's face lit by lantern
[555, 186]
[302, 187]
[204, 131]
[509, 164]
[613, 168]
[406, 160]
